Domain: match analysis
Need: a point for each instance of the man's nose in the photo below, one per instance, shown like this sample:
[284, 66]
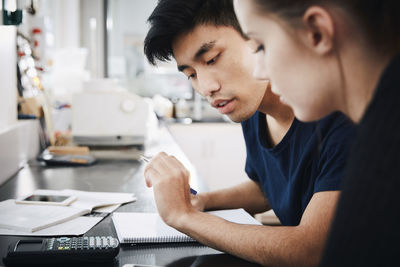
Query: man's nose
[207, 84]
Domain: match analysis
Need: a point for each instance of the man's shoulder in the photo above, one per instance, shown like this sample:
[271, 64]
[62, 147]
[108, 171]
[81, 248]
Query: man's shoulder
[334, 132]
[338, 125]
[334, 124]
[251, 123]
[337, 118]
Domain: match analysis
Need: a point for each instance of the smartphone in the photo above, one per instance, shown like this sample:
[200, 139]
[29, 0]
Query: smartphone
[47, 200]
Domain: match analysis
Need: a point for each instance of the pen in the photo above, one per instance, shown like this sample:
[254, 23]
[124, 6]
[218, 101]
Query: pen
[146, 159]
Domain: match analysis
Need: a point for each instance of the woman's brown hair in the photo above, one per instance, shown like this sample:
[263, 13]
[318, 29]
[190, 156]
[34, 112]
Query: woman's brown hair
[379, 20]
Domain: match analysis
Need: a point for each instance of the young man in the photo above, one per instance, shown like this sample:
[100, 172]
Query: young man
[294, 168]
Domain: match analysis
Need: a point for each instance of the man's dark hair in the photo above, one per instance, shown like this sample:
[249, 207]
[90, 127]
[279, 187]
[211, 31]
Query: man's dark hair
[172, 18]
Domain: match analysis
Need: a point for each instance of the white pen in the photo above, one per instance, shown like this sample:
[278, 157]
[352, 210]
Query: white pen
[145, 159]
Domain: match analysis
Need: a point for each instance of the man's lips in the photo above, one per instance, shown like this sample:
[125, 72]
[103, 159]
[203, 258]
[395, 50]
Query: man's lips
[219, 103]
[224, 106]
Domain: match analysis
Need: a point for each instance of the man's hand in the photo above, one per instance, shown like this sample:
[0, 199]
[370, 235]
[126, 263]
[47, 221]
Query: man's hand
[170, 180]
[199, 201]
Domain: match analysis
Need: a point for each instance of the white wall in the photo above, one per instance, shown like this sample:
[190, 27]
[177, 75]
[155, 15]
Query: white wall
[19, 141]
[8, 78]
[18, 144]
[66, 23]
[217, 150]
[126, 30]
[93, 39]
[129, 18]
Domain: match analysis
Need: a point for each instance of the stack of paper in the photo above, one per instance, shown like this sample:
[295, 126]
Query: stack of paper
[30, 219]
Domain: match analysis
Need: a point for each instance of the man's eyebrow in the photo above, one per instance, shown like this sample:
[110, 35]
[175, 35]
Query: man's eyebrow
[181, 68]
[204, 48]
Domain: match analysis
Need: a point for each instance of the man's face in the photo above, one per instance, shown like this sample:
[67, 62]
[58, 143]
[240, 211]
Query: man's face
[219, 64]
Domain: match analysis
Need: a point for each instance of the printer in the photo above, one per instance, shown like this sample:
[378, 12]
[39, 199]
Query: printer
[105, 115]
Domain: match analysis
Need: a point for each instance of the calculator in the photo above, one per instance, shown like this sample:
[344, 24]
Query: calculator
[62, 250]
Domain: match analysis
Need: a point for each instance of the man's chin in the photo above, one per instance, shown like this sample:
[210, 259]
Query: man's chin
[238, 118]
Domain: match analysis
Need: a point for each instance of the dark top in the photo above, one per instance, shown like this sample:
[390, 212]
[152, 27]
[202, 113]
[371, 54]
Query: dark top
[309, 159]
[366, 229]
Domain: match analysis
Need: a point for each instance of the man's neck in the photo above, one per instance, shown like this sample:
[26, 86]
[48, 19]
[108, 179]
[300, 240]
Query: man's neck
[279, 117]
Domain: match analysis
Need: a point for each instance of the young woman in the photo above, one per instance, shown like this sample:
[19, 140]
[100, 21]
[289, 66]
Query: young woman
[342, 55]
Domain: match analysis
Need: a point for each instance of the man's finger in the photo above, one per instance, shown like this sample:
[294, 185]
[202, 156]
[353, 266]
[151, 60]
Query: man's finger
[150, 174]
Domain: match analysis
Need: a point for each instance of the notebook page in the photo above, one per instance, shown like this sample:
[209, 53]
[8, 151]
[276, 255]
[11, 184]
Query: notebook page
[145, 228]
[236, 215]
[134, 227]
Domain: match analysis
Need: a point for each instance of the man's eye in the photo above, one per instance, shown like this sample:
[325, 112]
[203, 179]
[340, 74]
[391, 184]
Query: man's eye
[191, 76]
[259, 48]
[213, 60]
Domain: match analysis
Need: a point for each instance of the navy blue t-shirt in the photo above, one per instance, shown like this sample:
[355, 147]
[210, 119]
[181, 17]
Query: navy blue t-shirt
[309, 159]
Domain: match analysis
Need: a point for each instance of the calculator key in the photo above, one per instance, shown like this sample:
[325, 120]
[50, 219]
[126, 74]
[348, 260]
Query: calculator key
[104, 242]
[98, 242]
[92, 242]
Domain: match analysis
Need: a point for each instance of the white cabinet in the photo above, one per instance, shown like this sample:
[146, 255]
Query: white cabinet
[18, 144]
[217, 150]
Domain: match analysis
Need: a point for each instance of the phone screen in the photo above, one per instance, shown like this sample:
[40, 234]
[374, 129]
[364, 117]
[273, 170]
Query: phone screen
[46, 198]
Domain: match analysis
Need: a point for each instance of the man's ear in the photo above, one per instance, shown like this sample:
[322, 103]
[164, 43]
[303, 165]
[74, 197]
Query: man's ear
[320, 29]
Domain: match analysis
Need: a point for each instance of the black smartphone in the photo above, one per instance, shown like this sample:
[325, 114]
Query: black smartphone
[46, 199]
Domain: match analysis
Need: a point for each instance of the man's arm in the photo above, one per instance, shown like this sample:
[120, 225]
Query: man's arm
[300, 245]
[247, 195]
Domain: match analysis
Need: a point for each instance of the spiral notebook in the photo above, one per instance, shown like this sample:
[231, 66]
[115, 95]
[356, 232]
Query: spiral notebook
[133, 227]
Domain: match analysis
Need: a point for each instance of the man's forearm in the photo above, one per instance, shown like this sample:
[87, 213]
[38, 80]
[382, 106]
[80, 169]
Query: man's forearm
[273, 246]
[247, 195]
[266, 245]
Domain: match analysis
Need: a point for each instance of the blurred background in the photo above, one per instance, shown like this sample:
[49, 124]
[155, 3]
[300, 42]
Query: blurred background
[73, 74]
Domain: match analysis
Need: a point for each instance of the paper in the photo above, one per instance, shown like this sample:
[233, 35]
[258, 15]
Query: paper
[77, 226]
[133, 227]
[145, 228]
[30, 218]
[91, 200]
[107, 209]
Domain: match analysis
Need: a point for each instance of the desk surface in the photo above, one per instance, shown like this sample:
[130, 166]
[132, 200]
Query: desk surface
[114, 176]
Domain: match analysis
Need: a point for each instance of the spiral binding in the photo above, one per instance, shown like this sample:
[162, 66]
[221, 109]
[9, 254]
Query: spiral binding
[159, 239]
